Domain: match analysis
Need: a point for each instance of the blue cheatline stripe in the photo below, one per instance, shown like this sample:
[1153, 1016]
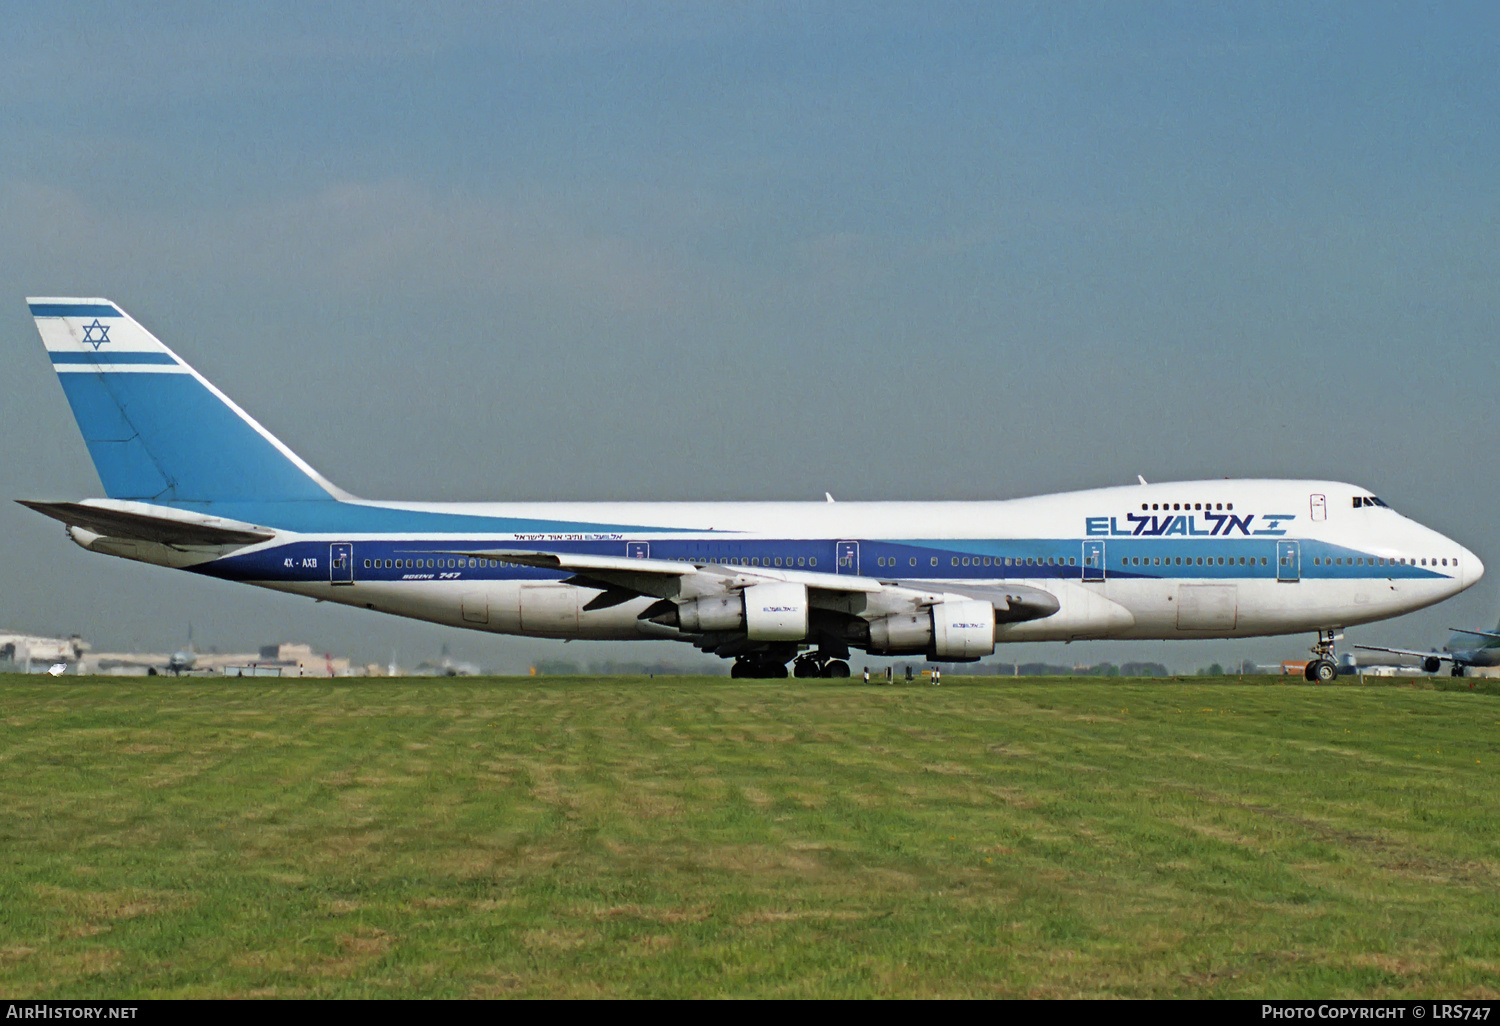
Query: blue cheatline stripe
[114, 358]
[74, 310]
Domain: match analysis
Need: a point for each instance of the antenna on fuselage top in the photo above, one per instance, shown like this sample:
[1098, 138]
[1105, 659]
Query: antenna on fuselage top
[1141, 479]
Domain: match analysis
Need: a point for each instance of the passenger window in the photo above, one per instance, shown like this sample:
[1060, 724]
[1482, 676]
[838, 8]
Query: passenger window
[367, 564]
[934, 561]
[955, 561]
[1071, 561]
[812, 560]
[912, 561]
[801, 561]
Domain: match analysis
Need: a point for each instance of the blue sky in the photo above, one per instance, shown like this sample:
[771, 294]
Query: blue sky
[724, 251]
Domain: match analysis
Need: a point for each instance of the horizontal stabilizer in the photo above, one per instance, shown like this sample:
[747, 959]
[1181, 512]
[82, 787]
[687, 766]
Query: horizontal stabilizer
[116, 523]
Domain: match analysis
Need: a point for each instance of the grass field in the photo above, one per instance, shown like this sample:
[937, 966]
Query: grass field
[538, 837]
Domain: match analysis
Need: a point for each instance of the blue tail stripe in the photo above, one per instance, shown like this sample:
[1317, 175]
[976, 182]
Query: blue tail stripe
[73, 310]
[113, 358]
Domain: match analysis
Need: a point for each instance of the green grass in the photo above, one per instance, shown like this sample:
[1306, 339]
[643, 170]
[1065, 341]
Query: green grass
[541, 837]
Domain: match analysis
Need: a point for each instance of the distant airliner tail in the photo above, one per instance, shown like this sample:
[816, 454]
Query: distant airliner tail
[155, 428]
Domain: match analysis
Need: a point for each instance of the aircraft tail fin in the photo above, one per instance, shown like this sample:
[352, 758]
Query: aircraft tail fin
[156, 429]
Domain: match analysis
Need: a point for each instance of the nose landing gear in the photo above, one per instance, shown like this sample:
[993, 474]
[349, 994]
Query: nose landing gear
[1322, 668]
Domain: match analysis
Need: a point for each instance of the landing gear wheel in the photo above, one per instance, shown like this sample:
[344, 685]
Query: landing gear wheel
[1458, 669]
[805, 667]
[1323, 668]
[739, 669]
[836, 668]
[1307, 672]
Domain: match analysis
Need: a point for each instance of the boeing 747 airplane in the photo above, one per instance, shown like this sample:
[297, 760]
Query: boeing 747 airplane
[193, 482]
[1465, 648]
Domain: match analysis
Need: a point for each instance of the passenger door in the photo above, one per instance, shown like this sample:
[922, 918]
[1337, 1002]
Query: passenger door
[846, 557]
[341, 563]
[1289, 561]
[1093, 561]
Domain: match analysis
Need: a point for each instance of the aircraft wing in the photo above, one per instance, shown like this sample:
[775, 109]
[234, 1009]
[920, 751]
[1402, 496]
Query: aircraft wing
[1407, 652]
[119, 523]
[1482, 634]
[665, 578]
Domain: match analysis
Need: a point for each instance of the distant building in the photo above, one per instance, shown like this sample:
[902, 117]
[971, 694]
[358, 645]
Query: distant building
[31, 653]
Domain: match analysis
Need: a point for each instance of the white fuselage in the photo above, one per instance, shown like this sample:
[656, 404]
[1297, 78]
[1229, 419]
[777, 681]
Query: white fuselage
[1231, 558]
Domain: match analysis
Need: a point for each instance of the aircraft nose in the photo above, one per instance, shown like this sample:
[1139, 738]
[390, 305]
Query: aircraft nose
[1473, 569]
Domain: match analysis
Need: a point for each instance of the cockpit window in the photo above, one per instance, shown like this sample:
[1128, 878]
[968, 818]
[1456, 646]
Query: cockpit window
[1368, 500]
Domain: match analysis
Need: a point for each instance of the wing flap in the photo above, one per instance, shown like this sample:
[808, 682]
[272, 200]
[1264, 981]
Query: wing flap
[625, 568]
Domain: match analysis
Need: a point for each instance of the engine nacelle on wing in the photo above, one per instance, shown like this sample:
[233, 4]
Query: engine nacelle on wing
[947, 630]
[963, 630]
[724, 612]
[776, 611]
[902, 634]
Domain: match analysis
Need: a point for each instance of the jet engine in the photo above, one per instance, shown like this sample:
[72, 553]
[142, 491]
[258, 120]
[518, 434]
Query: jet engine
[958, 631]
[774, 611]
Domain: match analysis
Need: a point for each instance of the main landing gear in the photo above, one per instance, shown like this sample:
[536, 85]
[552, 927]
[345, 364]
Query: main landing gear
[770, 665]
[1322, 668]
[750, 666]
[815, 665]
